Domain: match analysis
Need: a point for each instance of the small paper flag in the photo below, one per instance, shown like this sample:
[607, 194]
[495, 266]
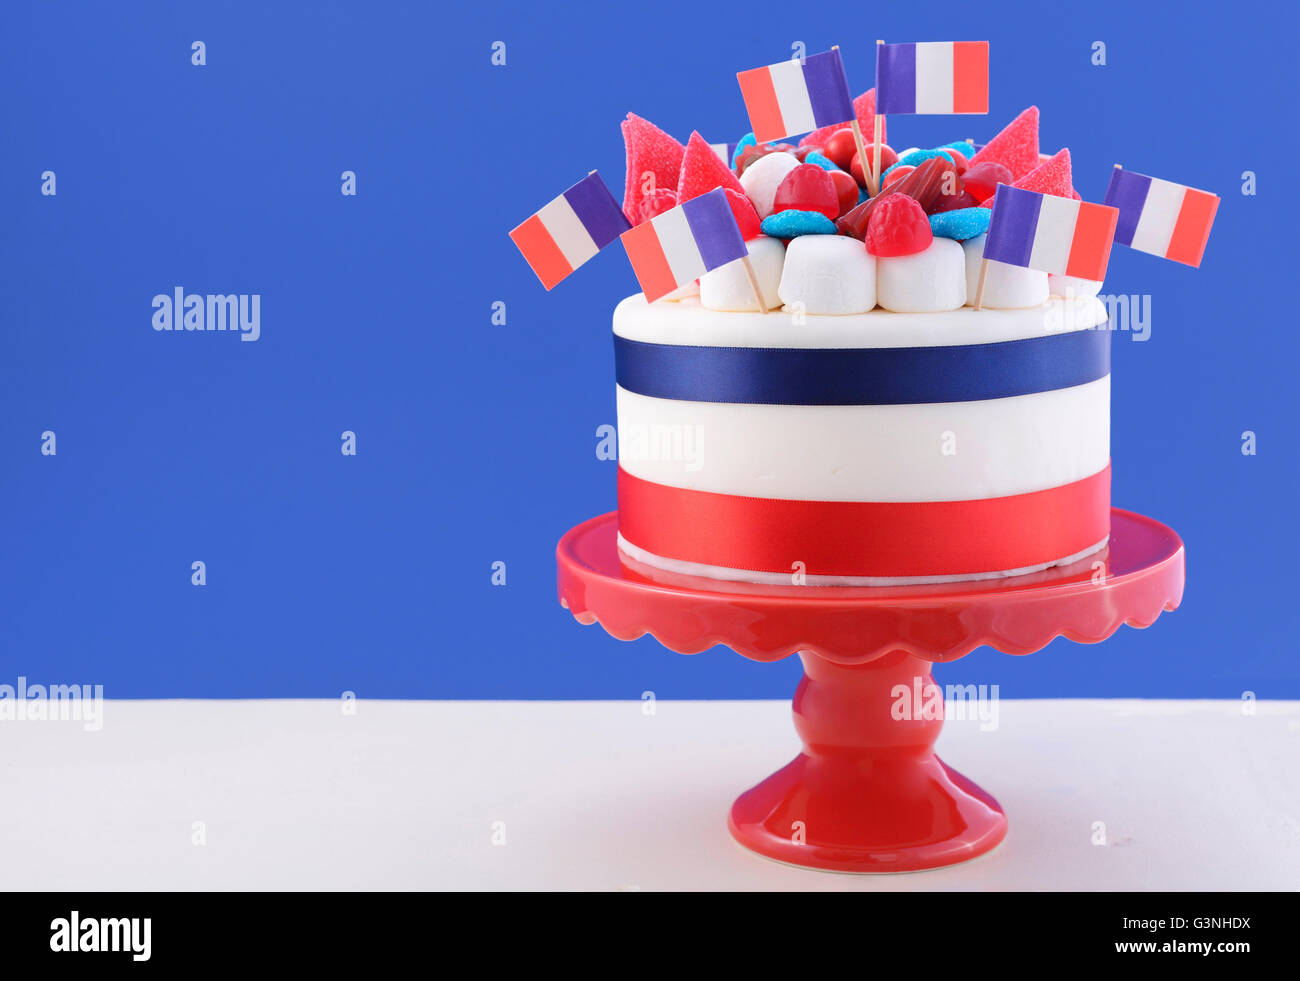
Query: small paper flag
[932, 78]
[570, 230]
[793, 97]
[681, 245]
[1052, 234]
[1160, 217]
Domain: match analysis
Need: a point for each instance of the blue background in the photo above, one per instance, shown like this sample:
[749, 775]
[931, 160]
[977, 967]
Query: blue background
[476, 442]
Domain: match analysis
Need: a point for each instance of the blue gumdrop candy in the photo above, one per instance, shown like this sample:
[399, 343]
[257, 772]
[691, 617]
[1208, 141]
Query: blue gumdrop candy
[746, 140]
[965, 147]
[825, 163]
[961, 223]
[792, 224]
[914, 158]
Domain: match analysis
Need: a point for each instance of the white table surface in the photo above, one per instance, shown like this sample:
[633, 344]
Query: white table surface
[597, 795]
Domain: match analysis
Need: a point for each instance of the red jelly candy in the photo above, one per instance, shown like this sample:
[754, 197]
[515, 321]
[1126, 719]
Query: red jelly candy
[958, 158]
[808, 188]
[897, 174]
[654, 159]
[951, 202]
[887, 159]
[847, 188]
[898, 227]
[840, 148]
[746, 216]
[982, 179]
[922, 184]
[702, 171]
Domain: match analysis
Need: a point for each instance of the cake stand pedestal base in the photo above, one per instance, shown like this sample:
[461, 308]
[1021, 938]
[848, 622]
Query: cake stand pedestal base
[867, 794]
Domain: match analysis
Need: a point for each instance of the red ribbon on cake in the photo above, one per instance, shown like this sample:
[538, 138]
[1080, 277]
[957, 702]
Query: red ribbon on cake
[865, 538]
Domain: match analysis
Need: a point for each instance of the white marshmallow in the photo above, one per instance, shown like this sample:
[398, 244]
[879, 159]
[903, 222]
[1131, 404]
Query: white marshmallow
[682, 292]
[828, 274]
[727, 287]
[1073, 286]
[925, 282]
[761, 179]
[1006, 287]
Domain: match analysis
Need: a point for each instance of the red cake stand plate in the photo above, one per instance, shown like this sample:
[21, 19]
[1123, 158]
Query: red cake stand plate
[867, 794]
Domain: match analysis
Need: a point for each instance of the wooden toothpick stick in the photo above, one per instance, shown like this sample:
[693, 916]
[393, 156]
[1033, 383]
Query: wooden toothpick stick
[873, 187]
[862, 155]
[753, 284]
[979, 290]
[857, 139]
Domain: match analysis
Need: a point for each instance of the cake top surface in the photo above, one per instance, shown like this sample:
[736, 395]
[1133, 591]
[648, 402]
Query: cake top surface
[814, 212]
[687, 322]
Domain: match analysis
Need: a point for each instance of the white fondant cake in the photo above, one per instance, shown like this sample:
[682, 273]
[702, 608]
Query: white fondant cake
[871, 448]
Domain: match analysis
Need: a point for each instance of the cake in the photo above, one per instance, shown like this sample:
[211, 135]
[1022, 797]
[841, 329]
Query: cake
[870, 427]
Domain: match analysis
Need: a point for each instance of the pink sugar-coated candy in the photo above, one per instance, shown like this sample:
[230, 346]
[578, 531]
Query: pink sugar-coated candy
[808, 188]
[746, 216]
[1052, 176]
[1016, 147]
[898, 226]
[865, 108]
[650, 151]
[702, 171]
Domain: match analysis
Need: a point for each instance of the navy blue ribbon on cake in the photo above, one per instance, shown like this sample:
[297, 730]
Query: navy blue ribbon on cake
[863, 376]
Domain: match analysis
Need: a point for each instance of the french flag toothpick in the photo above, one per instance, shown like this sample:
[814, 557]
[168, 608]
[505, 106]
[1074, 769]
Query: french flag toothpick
[928, 78]
[570, 230]
[932, 78]
[1160, 217]
[681, 245]
[795, 96]
[1052, 234]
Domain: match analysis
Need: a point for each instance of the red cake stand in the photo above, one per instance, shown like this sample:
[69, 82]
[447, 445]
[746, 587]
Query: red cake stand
[867, 794]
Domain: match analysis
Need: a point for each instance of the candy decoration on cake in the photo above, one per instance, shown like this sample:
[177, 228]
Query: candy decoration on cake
[1156, 216]
[570, 230]
[832, 227]
[1048, 233]
[929, 78]
[654, 161]
[682, 244]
